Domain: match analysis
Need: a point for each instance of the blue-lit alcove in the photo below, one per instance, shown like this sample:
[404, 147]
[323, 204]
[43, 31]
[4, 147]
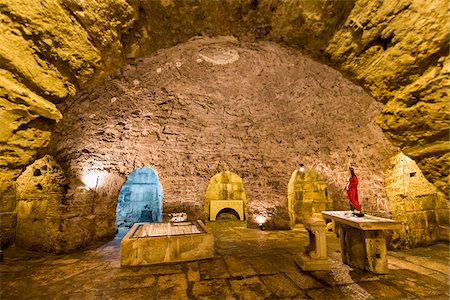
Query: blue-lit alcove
[140, 199]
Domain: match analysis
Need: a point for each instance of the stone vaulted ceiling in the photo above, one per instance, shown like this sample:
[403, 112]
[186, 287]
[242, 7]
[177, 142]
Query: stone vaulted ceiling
[53, 51]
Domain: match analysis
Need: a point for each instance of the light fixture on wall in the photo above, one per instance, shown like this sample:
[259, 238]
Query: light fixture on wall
[260, 219]
[302, 168]
[92, 178]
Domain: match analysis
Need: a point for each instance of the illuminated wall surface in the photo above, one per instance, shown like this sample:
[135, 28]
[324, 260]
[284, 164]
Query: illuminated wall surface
[226, 186]
[132, 84]
[307, 196]
[140, 199]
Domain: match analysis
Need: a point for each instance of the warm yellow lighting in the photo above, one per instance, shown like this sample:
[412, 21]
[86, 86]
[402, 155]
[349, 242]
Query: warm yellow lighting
[93, 178]
[302, 168]
[260, 219]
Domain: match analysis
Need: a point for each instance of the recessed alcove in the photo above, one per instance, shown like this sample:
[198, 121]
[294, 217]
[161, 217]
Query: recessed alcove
[228, 214]
[307, 196]
[214, 104]
[139, 200]
[225, 197]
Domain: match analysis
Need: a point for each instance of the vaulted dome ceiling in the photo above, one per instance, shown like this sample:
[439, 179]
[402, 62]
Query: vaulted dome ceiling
[54, 51]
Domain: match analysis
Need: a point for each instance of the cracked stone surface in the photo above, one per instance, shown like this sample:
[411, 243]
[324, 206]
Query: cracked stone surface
[396, 50]
[190, 119]
[267, 264]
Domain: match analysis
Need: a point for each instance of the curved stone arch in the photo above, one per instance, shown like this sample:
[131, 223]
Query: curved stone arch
[411, 87]
[225, 190]
[236, 212]
[84, 59]
[140, 198]
[307, 196]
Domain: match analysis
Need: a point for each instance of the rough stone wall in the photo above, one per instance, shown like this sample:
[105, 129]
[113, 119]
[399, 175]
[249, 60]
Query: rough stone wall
[8, 216]
[396, 49]
[209, 105]
[41, 195]
[416, 202]
[307, 196]
[224, 186]
[58, 49]
[66, 46]
[399, 51]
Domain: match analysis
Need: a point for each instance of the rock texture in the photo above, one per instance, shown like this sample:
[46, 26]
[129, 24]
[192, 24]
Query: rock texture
[41, 195]
[210, 105]
[415, 202]
[307, 196]
[62, 48]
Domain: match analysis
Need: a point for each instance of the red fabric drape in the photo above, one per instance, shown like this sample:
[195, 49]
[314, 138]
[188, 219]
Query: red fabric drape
[352, 192]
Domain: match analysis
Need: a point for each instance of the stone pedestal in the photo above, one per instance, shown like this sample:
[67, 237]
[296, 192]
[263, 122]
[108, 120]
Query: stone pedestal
[362, 239]
[315, 256]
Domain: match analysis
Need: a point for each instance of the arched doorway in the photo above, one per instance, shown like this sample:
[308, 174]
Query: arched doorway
[225, 192]
[307, 196]
[140, 199]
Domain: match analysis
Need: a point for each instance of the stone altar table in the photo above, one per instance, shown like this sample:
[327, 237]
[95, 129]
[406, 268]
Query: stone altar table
[154, 243]
[362, 239]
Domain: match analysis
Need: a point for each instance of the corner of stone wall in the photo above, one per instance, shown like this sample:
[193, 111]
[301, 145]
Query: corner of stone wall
[8, 217]
[416, 202]
[41, 192]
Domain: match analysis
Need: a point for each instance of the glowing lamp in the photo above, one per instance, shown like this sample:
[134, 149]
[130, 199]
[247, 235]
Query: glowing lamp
[260, 220]
[302, 168]
[92, 178]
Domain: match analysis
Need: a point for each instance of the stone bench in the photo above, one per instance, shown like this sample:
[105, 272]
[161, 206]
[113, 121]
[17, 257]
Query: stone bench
[362, 239]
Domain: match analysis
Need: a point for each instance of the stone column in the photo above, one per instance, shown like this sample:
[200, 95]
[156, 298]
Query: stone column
[315, 256]
[365, 250]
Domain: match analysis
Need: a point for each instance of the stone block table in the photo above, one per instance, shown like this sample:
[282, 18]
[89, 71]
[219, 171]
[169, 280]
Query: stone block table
[155, 243]
[362, 239]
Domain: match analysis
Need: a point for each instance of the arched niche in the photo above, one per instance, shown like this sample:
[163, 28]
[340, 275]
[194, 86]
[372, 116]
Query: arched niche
[41, 197]
[413, 200]
[307, 196]
[140, 199]
[225, 191]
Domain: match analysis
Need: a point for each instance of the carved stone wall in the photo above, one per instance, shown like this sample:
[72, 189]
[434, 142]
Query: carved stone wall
[307, 196]
[396, 50]
[210, 105]
[41, 196]
[416, 202]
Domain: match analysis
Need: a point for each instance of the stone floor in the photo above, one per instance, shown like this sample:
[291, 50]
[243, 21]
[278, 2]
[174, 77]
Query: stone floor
[248, 264]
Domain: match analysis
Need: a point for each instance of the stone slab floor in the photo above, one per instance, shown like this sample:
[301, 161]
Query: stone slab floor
[248, 264]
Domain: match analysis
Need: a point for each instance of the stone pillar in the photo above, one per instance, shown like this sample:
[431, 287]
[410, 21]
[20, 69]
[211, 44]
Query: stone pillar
[365, 250]
[315, 256]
